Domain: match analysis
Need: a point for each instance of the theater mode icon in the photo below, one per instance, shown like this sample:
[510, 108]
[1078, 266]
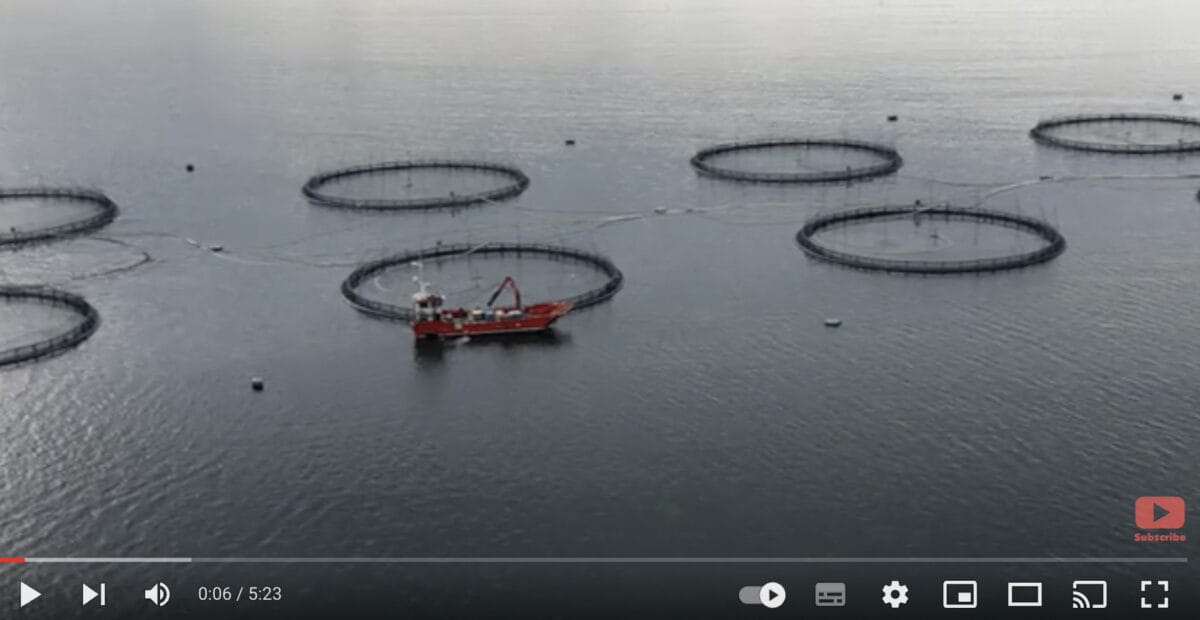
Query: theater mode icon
[1024, 594]
[1159, 512]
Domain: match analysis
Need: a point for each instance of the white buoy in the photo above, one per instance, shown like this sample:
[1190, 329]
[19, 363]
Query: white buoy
[257, 384]
[833, 322]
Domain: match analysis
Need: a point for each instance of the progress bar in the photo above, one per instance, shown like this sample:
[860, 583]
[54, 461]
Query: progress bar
[595, 560]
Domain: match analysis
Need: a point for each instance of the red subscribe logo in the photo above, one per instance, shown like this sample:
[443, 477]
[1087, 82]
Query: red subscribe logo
[1159, 513]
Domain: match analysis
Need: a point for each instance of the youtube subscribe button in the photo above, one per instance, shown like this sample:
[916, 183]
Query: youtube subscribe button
[1159, 513]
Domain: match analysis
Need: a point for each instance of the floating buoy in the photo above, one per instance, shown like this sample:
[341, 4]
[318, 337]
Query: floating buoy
[1045, 177]
[893, 118]
[257, 384]
[216, 248]
[570, 143]
[832, 322]
[1178, 97]
[191, 168]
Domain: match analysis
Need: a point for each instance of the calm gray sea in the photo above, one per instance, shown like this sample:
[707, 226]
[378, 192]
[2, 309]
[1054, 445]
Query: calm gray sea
[705, 411]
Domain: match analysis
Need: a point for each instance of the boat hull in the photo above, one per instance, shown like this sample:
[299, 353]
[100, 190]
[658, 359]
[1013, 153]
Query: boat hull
[535, 318]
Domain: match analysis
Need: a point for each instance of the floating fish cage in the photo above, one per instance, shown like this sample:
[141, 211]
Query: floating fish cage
[57, 344]
[886, 161]
[104, 212]
[513, 183]
[1054, 243]
[350, 286]
[1048, 132]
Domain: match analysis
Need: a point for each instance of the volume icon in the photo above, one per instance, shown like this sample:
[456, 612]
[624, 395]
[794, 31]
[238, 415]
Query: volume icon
[159, 594]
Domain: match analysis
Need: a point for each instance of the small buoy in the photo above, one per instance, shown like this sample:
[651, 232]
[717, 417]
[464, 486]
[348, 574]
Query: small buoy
[216, 248]
[1045, 177]
[570, 143]
[1178, 97]
[191, 168]
[257, 384]
[893, 118]
[833, 322]
[660, 210]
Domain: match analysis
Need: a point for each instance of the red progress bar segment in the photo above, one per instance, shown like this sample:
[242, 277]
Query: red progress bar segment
[11, 560]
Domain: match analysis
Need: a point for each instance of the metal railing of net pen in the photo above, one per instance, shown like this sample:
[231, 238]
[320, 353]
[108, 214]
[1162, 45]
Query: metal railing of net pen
[60, 343]
[1055, 242]
[890, 161]
[405, 313]
[104, 216]
[1042, 133]
[517, 183]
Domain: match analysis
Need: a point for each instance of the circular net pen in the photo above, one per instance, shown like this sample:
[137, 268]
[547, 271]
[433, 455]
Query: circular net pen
[504, 182]
[56, 344]
[1129, 134]
[613, 278]
[797, 161]
[1051, 243]
[50, 213]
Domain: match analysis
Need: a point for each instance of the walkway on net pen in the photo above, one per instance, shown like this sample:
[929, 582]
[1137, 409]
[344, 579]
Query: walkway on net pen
[107, 212]
[60, 343]
[517, 183]
[404, 313]
[1055, 243]
[1042, 133]
[889, 161]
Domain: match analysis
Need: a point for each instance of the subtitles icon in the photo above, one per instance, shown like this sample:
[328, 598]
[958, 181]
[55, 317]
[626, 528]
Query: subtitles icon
[1089, 594]
[1025, 594]
[831, 595]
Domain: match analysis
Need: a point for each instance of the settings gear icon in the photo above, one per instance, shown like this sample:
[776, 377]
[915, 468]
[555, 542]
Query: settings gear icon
[895, 594]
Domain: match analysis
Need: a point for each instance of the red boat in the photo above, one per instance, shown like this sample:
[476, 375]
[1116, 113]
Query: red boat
[431, 320]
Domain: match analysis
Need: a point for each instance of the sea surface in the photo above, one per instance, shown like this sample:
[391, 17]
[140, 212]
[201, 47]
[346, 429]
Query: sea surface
[706, 410]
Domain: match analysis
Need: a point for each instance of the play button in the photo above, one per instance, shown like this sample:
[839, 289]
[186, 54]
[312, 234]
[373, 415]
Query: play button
[772, 595]
[28, 594]
[1160, 512]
